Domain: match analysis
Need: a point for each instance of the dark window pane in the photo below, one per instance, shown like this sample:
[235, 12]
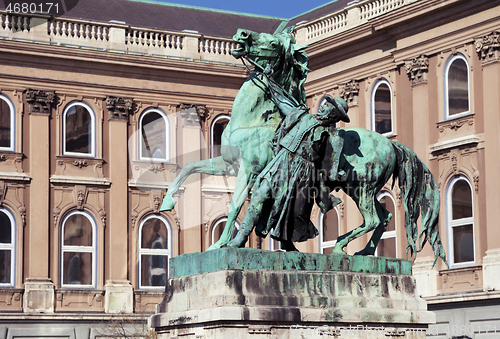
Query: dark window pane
[153, 136]
[78, 130]
[389, 205]
[218, 128]
[77, 268]
[330, 226]
[77, 231]
[458, 87]
[154, 270]
[387, 248]
[461, 200]
[154, 234]
[4, 124]
[5, 261]
[463, 244]
[383, 109]
[5, 229]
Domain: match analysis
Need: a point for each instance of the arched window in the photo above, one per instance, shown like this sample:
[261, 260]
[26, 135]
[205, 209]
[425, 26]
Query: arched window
[7, 123]
[78, 250]
[456, 82]
[388, 244]
[7, 248]
[329, 231]
[381, 107]
[154, 135]
[79, 129]
[218, 126]
[218, 228]
[460, 218]
[155, 239]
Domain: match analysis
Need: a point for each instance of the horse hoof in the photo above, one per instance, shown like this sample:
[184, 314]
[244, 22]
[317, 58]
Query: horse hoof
[338, 250]
[168, 204]
[214, 246]
[364, 252]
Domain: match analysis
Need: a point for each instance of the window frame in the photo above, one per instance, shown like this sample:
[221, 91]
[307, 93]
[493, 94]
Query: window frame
[450, 223]
[12, 146]
[331, 243]
[376, 85]
[167, 136]
[389, 234]
[12, 247]
[151, 251]
[92, 153]
[217, 118]
[88, 249]
[449, 62]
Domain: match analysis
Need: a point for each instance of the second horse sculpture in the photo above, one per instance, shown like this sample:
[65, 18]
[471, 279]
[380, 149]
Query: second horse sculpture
[368, 159]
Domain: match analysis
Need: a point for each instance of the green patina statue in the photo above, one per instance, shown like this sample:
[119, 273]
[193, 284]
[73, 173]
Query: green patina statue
[285, 191]
[356, 160]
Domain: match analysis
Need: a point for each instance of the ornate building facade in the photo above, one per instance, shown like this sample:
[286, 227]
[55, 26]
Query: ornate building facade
[101, 107]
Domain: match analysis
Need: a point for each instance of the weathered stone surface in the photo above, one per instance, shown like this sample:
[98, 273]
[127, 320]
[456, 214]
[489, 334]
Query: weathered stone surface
[263, 294]
[253, 259]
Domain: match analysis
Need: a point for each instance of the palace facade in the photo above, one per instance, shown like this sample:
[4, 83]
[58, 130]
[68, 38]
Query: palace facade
[101, 107]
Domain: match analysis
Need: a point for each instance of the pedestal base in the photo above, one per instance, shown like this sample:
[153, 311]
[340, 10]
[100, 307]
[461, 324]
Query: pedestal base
[261, 294]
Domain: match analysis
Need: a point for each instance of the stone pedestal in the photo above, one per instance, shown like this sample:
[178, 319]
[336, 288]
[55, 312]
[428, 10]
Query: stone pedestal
[119, 297]
[247, 293]
[38, 295]
[491, 270]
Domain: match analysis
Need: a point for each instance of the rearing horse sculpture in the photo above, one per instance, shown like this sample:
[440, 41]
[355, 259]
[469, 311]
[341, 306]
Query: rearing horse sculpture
[245, 147]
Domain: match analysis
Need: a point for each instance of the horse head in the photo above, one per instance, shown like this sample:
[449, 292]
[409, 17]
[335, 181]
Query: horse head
[287, 60]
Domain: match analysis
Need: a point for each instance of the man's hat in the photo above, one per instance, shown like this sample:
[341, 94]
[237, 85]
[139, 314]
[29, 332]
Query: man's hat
[340, 105]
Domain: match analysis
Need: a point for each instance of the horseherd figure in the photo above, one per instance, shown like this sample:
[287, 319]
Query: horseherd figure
[353, 159]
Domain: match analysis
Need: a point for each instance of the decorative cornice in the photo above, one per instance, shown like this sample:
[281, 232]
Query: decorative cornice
[119, 108]
[488, 48]
[417, 69]
[349, 92]
[39, 101]
[455, 124]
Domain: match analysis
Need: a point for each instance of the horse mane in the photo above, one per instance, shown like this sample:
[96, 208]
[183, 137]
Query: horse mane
[294, 66]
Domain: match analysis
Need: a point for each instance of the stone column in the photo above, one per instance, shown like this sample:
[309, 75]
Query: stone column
[119, 291]
[39, 289]
[488, 48]
[417, 70]
[191, 138]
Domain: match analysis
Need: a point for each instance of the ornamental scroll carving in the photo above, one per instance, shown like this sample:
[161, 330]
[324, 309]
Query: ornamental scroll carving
[349, 91]
[417, 69]
[39, 101]
[488, 48]
[119, 108]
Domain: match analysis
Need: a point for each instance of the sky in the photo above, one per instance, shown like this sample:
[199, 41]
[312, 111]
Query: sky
[286, 9]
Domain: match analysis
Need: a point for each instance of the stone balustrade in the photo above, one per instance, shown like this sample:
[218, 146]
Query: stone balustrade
[116, 37]
[354, 14]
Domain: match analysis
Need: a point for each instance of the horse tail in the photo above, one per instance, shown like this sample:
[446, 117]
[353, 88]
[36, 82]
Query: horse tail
[421, 196]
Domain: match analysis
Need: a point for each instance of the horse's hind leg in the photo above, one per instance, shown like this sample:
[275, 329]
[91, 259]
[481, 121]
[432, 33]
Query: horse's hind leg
[366, 205]
[215, 166]
[385, 216]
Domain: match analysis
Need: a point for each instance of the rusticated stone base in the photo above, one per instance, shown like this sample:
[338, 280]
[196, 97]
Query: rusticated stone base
[287, 295]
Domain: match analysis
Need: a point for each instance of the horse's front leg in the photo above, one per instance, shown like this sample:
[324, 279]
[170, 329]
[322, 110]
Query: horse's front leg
[244, 183]
[214, 166]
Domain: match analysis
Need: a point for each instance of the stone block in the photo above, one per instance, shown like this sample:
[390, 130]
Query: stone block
[491, 270]
[119, 297]
[38, 295]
